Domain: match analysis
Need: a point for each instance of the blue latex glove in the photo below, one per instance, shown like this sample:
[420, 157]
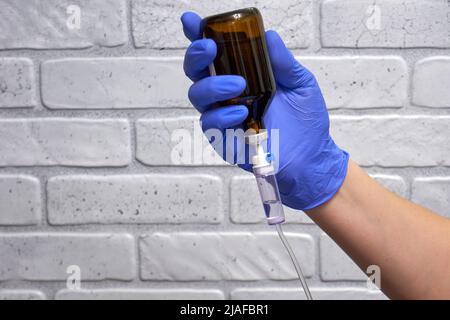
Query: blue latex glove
[311, 167]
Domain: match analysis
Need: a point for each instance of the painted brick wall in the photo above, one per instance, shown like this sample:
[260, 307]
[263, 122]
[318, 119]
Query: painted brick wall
[87, 175]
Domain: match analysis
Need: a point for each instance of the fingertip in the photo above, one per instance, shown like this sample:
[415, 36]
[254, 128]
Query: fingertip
[189, 17]
[199, 55]
[239, 111]
[234, 115]
[272, 34]
[206, 48]
[275, 45]
[229, 86]
[209, 90]
[241, 83]
[287, 70]
[191, 25]
[274, 40]
[210, 47]
[184, 16]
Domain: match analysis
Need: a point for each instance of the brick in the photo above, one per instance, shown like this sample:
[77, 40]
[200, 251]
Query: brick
[17, 83]
[15, 294]
[385, 23]
[395, 184]
[362, 82]
[431, 81]
[68, 142]
[187, 256]
[246, 206]
[174, 141]
[156, 23]
[114, 83]
[36, 24]
[140, 294]
[40, 256]
[394, 141]
[20, 200]
[157, 198]
[347, 293]
[335, 264]
[433, 193]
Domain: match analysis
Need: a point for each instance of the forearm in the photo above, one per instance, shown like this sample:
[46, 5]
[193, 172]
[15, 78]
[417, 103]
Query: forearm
[410, 244]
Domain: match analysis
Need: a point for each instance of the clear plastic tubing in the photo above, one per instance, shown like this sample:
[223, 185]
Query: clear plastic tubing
[270, 197]
[298, 269]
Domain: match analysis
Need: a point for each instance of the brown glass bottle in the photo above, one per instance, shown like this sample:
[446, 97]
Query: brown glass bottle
[242, 50]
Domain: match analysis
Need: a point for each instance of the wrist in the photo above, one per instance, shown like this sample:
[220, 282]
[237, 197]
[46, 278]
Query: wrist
[333, 179]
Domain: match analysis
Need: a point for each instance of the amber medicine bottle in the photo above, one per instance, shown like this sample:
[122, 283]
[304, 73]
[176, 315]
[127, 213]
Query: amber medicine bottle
[242, 50]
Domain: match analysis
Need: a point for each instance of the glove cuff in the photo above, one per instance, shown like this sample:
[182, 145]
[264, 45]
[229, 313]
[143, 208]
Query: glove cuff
[335, 183]
[317, 184]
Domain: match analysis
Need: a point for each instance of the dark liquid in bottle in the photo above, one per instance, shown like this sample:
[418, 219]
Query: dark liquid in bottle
[241, 50]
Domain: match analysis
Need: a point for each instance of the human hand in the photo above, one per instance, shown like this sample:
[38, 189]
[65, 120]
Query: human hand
[311, 168]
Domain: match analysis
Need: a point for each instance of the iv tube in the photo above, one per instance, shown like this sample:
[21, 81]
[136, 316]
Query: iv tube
[264, 172]
[298, 269]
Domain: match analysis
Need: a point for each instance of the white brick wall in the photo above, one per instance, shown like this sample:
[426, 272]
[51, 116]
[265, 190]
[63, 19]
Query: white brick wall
[296, 294]
[158, 198]
[17, 83]
[20, 200]
[364, 82]
[66, 142]
[431, 82]
[139, 294]
[385, 23]
[21, 295]
[43, 25]
[46, 256]
[394, 140]
[235, 256]
[160, 134]
[114, 83]
[156, 22]
[87, 175]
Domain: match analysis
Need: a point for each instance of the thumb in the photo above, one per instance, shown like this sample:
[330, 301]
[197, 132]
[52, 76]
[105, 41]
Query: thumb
[287, 71]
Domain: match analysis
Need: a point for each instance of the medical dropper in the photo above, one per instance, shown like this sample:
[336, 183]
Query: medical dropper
[264, 172]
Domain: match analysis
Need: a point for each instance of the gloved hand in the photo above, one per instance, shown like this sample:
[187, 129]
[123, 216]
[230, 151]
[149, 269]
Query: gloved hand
[311, 167]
